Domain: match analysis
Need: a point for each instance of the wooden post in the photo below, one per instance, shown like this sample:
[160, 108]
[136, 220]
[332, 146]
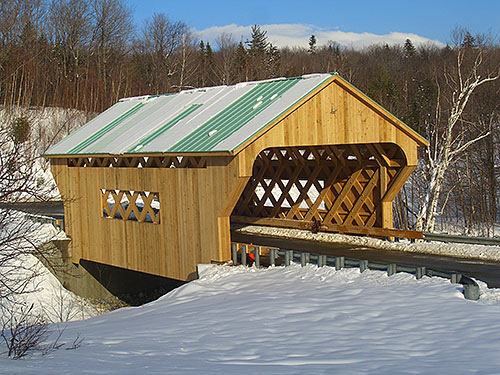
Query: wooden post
[386, 220]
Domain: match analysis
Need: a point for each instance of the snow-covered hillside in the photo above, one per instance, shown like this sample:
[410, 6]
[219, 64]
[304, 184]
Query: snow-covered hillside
[293, 320]
[42, 294]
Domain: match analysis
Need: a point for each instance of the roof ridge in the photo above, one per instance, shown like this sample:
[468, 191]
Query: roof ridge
[236, 85]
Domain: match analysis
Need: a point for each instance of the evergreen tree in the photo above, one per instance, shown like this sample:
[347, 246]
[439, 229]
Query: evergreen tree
[469, 41]
[274, 58]
[258, 44]
[209, 65]
[202, 64]
[312, 44]
[258, 51]
[409, 49]
[240, 68]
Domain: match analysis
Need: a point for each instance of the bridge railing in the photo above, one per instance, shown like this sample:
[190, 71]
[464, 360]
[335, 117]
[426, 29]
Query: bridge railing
[443, 237]
[260, 256]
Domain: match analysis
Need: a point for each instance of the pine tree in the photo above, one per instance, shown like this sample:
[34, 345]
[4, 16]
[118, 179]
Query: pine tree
[240, 67]
[258, 51]
[469, 41]
[409, 49]
[203, 68]
[312, 44]
[258, 44]
[274, 58]
[209, 65]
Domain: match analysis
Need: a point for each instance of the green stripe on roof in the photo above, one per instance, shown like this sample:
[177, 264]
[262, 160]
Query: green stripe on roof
[150, 107]
[94, 137]
[151, 137]
[233, 117]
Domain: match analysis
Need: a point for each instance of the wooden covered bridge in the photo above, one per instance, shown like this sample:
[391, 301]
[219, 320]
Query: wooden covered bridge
[152, 183]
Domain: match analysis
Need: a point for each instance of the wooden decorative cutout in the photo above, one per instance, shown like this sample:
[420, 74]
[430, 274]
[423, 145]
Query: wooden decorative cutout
[140, 162]
[130, 205]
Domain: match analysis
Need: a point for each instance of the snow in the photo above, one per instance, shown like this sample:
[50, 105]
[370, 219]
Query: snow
[456, 250]
[293, 320]
[50, 300]
[47, 127]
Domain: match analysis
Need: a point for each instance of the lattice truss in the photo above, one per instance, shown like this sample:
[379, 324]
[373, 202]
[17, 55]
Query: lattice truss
[141, 206]
[140, 162]
[329, 184]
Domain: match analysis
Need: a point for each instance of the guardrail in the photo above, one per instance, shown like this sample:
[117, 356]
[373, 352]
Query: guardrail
[249, 254]
[461, 239]
[57, 223]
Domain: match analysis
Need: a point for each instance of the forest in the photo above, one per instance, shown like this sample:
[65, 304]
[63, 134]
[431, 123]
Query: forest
[86, 55]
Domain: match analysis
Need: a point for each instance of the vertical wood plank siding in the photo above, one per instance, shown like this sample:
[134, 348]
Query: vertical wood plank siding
[196, 203]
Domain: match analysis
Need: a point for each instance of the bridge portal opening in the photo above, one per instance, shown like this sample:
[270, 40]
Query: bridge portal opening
[329, 186]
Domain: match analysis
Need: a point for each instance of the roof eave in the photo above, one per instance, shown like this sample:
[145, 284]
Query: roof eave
[146, 154]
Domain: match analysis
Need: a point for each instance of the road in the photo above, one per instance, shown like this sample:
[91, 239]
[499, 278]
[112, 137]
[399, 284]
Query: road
[53, 209]
[488, 272]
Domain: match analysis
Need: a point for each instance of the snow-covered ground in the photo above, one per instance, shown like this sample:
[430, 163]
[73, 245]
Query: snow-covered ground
[43, 295]
[293, 320]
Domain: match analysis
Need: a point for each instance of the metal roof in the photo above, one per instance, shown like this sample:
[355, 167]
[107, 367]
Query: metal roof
[213, 119]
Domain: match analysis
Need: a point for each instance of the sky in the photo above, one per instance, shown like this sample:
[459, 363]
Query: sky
[350, 23]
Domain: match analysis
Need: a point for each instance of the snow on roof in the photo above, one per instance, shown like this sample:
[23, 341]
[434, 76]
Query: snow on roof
[199, 120]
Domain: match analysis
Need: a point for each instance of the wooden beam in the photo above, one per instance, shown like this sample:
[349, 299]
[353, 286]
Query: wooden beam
[398, 183]
[333, 228]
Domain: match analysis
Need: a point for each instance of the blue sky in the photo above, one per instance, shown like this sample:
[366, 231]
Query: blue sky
[343, 20]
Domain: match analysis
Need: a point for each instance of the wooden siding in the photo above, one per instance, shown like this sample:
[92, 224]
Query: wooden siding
[196, 203]
[332, 115]
[194, 216]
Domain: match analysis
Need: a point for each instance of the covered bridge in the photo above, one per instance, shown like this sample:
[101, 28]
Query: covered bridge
[152, 183]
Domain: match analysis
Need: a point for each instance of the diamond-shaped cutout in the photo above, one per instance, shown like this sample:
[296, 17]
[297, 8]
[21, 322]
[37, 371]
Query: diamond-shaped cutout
[131, 205]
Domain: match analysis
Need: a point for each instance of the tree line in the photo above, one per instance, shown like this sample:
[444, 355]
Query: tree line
[86, 55]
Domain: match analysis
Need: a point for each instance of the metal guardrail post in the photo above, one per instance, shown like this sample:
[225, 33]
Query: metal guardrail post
[234, 253]
[420, 272]
[304, 259]
[321, 260]
[288, 257]
[272, 256]
[455, 278]
[243, 250]
[391, 269]
[256, 251]
[363, 265]
[339, 263]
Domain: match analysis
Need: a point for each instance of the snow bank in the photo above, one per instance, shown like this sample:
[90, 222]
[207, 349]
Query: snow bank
[50, 300]
[293, 320]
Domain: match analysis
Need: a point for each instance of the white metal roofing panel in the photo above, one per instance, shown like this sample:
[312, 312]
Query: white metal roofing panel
[91, 127]
[161, 122]
[162, 109]
[290, 97]
[214, 101]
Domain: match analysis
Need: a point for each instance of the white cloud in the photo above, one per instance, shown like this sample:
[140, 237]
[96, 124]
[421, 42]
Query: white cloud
[297, 35]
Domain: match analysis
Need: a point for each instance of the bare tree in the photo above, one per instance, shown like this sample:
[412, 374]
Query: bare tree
[224, 58]
[161, 40]
[112, 28]
[448, 137]
[19, 181]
